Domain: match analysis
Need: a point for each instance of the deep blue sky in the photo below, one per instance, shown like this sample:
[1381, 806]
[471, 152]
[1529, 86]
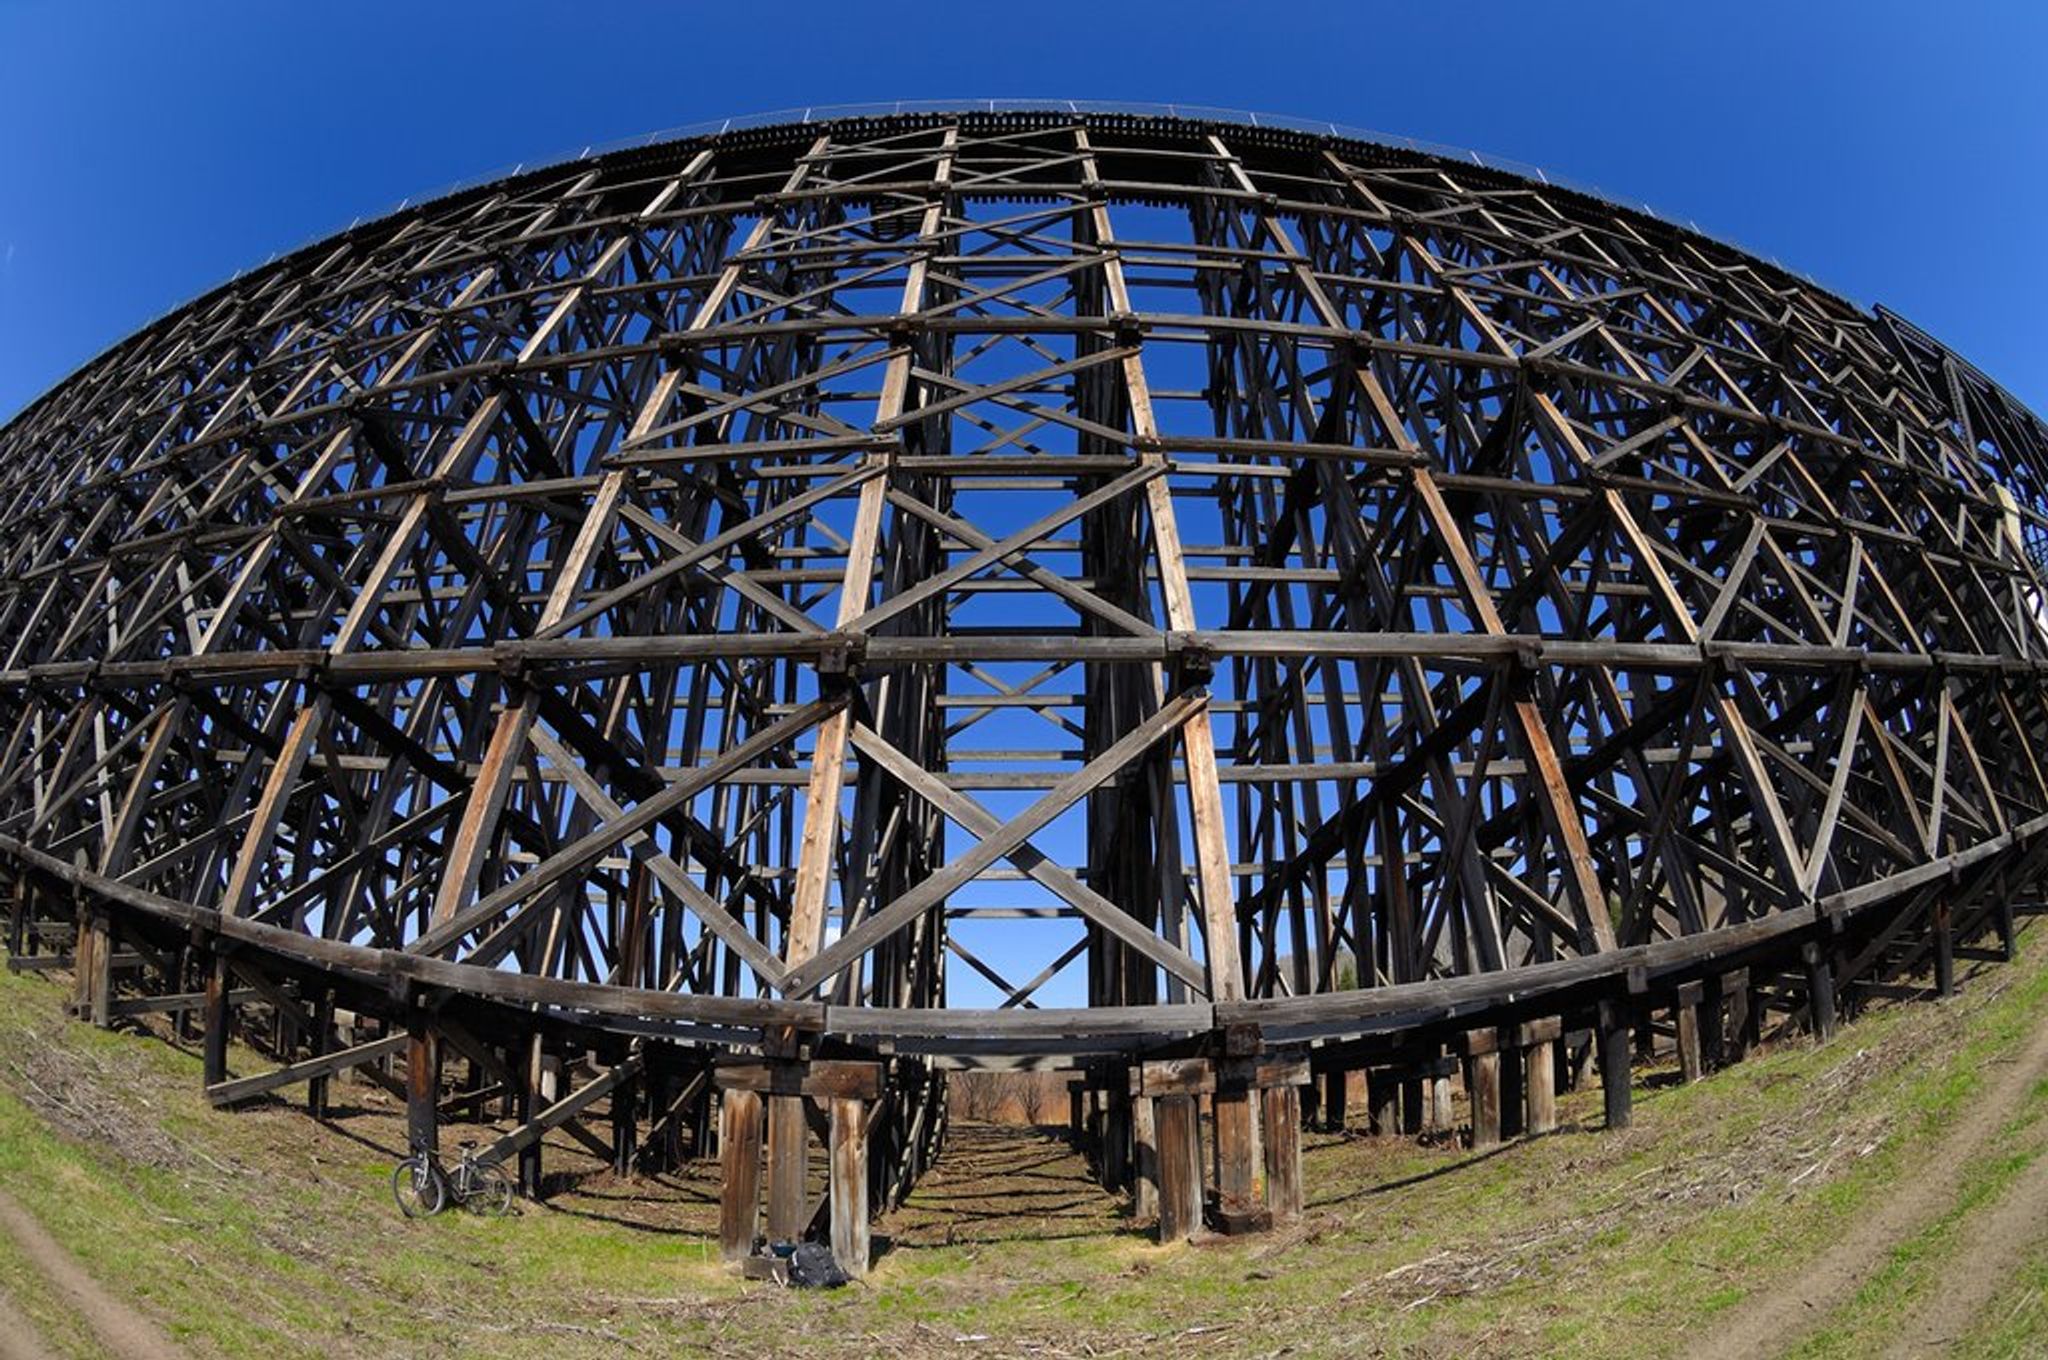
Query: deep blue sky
[1893, 151]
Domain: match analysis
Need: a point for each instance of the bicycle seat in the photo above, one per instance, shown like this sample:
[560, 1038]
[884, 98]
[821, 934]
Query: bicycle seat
[466, 1144]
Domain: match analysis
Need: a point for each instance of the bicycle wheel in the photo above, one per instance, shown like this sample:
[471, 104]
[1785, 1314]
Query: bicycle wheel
[490, 1192]
[418, 1188]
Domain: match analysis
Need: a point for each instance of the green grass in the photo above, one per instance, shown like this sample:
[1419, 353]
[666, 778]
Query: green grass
[1584, 1243]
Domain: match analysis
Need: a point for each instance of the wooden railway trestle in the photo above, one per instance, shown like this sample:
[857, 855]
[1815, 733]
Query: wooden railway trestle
[727, 632]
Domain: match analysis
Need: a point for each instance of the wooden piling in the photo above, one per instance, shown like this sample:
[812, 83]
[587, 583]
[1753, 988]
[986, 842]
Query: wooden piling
[1686, 1014]
[1513, 1074]
[1384, 1095]
[422, 1085]
[1539, 1083]
[1743, 1025]
[739, 1166]
[1180, 1167]
[1236, 1167]
[1944, 949]
[1282, 1118]
[625, 1126]
[1820, 991]
[528, 1108]
[1482, 1086]
[849, 1185]
[789, 1162]
[1615, 1043]
[1145, 1140]
[214, 1050]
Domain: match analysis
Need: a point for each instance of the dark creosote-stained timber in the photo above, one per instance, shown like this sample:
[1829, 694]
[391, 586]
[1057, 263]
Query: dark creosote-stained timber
[692, 646]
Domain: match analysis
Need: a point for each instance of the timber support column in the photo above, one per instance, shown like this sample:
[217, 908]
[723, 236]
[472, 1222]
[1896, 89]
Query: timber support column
[1437, 1088]
[1686, 1012]
[789, 1165]
[1336, 1099]
[1384, 1099]
[1743, 1021]
[1481, 1048]
[1944, 949]
[625, 1126]
[1415, 1103]
[789, 1142]
[846, 1089]
[92, 962]
[739, 1165]
[17, 918]
[1539, 1084]
[528, 1108]
[218, 1017]
[422, 1084]
[1266, 1087]
[1820, 991]
[1145, 1148]
[1180, 1167]
[1614, 1042]
[1513, 1074]
[1714, 1024]
[1236, 1140]
[321, 1042]
[849, 1184]
[1282, 1114]
[1118, 1130]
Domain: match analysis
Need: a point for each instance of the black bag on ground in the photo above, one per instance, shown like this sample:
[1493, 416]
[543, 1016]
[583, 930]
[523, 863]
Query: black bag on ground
[811, 1266]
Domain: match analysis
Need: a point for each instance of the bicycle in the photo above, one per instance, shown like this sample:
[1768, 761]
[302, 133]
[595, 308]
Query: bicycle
[423, 1189]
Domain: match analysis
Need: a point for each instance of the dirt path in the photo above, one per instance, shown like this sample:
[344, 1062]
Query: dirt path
[18, 1337]
[123, 1333]
[1772, 1321]
[1995, 1244]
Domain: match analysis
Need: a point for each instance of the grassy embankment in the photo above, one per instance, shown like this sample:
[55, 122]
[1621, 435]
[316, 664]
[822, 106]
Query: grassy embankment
[264, 1234]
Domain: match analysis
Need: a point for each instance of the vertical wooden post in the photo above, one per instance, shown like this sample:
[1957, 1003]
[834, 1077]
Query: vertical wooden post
[1116, 1139]
[1944, 949]
[17, 918]
[422, 1085]
[1513, 1073]
[2007, 940]
[100, 998]
[1539, 1087]
[1687, 1014]
[1614, 1041]
[625, 1126]
[214, 1054]
[1235, 1168]
[1742, 1017]
[789, 1164]
[1145, 1138]
[1282, 1117]
[81, 958]
[1482, 1085]
[1077, 1117]
[1820, 991]
[739, 1165]
[322, 1041]
[1412, 1112]
[529, 1071]
[1180, 1167]
[92, 962]
[187, 978]
[849, 1188]
[1714, 1024]
[1442, 1113]
[1336, 1099]
[1383, 1094]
